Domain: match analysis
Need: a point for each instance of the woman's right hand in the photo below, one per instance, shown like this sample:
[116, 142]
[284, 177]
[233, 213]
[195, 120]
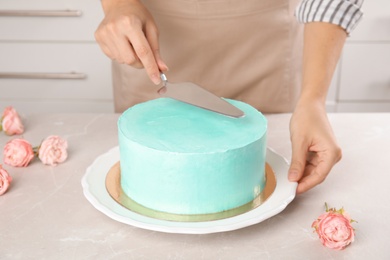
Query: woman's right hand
[129, 35]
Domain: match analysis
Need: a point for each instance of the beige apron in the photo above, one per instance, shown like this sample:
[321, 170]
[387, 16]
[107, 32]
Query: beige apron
[245, 50]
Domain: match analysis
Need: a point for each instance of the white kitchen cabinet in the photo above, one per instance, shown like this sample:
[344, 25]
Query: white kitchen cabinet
[49, 60]
[363, 82]
[375, 25]
[366, 73]
[70, 71]
[54, 20]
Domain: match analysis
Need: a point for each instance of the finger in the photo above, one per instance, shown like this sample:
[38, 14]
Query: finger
[298, 161]
[108, 41]
[152, 37]
[106, 51]
[316, 174]
[312, 158]
[121, 49]
[311, 179]
[144, 53]
[105, 43]
[127, 54]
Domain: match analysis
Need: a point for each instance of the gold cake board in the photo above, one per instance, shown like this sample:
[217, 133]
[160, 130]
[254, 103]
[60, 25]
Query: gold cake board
[114, 188]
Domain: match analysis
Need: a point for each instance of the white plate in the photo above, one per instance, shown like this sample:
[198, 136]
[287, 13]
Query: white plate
[95, 191]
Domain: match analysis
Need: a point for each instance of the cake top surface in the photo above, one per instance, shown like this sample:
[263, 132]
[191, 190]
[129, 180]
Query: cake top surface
[169, 125]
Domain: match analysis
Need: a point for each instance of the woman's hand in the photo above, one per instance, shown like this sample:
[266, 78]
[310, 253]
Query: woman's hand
[129, 35]
[314, 147]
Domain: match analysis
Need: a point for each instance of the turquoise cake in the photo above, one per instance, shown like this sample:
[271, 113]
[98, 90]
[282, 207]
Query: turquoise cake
[181, 159]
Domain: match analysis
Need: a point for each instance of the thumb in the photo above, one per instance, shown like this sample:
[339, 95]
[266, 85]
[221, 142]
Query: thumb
[298, 162]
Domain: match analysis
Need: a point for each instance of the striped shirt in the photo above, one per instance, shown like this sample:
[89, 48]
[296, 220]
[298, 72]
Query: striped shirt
[345, 13]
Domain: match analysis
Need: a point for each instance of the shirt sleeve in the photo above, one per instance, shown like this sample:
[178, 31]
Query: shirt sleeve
[345, 13]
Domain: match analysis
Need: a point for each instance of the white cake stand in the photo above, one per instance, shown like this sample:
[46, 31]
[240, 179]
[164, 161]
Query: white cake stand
[95, 191]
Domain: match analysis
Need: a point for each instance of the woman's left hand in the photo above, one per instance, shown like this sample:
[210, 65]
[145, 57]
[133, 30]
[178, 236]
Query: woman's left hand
[314, 147]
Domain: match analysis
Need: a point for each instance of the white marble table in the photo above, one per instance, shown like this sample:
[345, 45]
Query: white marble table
[46, 216]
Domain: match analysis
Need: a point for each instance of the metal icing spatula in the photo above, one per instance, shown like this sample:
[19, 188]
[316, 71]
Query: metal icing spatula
[195, 95]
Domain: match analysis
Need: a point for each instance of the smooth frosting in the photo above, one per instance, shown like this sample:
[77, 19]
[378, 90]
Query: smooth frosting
[182, 159]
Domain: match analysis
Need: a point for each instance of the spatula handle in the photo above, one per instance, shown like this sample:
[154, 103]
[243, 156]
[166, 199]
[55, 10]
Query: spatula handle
[164, 79]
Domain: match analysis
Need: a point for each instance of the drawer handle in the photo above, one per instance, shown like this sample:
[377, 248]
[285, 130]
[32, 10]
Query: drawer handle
[16, 75]
[55, 13]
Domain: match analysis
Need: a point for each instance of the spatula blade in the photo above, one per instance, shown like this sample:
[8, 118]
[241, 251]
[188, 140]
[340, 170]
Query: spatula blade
[195, 95]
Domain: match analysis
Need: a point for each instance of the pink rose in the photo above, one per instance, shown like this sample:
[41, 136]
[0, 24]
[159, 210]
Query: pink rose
[5, 180]
[53, 150]
[334, 228]
[18, 153]
[11, 122]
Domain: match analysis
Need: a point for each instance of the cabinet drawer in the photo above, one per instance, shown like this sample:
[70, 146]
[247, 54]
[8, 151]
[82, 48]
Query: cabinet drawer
[375, 23]
[58, 61]
[49, 20]
[365, 72]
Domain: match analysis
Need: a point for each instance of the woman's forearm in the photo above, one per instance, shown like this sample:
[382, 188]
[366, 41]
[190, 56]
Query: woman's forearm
[323, 43]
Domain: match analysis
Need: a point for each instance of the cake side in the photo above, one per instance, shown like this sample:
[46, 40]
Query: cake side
[193, 183]
[218, 174]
